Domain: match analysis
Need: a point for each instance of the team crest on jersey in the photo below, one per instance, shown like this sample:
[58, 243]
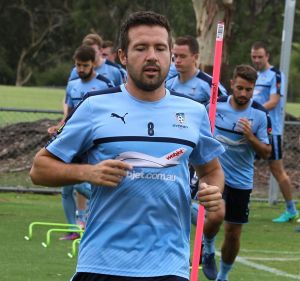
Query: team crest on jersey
[180, 120]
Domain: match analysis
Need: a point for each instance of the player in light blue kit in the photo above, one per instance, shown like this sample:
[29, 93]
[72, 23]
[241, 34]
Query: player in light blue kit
[196, 84]
[137, 140]
[243, 127]
[269, 92]
[88, 81]
[189, 80]
[104, 67]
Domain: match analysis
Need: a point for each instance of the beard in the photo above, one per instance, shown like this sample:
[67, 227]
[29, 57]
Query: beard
[241, 101]
[143, 81]
[85, 76]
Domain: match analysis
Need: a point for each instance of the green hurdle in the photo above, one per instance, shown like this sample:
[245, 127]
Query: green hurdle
[74, 248]
[30, 230]
[48, 235]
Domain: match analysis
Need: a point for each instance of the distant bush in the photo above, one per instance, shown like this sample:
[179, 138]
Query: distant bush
[55, 76]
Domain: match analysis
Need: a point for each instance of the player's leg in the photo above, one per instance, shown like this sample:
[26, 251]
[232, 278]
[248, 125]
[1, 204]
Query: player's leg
[236, 214]
[212, 224]
[279, 173]
[230, 248]
[69, 206]
[83, 194]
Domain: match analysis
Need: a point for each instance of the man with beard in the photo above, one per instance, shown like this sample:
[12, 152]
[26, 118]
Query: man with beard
[88, 81]
[242, 126]
[269, 92]
[138, 139]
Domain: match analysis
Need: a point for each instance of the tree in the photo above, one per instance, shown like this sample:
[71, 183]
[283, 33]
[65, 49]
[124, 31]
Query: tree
[208, 14]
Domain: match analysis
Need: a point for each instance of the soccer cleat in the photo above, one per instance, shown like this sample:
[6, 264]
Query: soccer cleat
[70, 236]
[297, 229]
[286, 217]
[298, 220]
[209, 266]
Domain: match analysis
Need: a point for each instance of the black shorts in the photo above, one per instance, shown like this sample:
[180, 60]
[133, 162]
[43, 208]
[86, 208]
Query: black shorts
[276, 148]
[236, 204]
[84, 276]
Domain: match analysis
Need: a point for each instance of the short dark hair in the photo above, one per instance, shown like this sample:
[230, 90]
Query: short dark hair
[148, 18]
[246, 72]
[108, 43]
[260, 45]
[190, 41]
[84, 53]
[93, 39]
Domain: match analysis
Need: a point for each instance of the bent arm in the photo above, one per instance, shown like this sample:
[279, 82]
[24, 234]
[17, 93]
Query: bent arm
[211, 185]
[48, 170]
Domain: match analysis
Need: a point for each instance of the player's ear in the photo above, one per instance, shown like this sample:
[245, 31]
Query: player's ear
[122, 56]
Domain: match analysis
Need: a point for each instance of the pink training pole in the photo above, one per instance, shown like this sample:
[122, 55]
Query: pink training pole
[212, 114]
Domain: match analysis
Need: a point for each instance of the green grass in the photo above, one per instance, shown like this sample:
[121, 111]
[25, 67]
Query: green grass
[52, 98]
[28, 261]
[32, 97]
[293, 108]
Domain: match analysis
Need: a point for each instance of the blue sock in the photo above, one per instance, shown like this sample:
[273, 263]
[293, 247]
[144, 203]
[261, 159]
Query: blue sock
[209, 245]
[290, 206]
[224, 270]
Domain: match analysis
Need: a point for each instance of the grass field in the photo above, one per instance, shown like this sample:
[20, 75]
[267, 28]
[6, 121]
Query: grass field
[51, 98]
[269, 251]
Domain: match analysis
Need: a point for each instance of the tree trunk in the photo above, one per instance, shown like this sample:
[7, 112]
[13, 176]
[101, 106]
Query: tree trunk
[208, 14]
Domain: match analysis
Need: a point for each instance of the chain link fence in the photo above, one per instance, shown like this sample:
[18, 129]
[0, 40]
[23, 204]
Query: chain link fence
[24, 131]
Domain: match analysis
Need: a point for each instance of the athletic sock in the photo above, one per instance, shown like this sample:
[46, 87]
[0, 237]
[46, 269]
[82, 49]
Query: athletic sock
[224, 270]
[81, 215]
[291, 207]
[209, 245]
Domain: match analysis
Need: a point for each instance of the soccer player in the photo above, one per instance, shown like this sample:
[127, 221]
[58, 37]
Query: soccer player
[88, 81]
[269, 92]
[243, 127]
[190, 80]
[103, 66]
[138, 140]
[196, 84]
[109, 53]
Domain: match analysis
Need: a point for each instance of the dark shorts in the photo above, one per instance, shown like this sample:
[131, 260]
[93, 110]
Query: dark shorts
[83, 276]
[236, 204]
[276, 148]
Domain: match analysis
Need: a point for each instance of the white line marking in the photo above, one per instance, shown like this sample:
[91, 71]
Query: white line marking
[264, 268]
[270, 252]
[271, 259]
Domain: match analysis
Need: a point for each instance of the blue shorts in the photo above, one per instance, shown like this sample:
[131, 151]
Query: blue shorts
[276, 148]
[84, 276]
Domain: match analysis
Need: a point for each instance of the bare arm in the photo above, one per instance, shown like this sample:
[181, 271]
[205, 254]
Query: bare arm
[262, 149]
[211, 176]
[53, 129]
[49, 170]
[272, 102]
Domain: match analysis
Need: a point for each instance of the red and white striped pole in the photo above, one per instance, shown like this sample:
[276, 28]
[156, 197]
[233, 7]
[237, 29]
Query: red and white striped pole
[211, 114]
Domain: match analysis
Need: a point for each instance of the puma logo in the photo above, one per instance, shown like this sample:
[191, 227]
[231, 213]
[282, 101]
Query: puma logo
[118, 116]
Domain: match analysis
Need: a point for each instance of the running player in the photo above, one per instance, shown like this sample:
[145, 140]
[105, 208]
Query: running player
[138, 140]
[269, 92]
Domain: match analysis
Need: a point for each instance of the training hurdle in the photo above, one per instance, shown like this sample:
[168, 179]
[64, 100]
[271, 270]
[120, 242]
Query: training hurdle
[74, 248]
[31, 225]
[48, 235]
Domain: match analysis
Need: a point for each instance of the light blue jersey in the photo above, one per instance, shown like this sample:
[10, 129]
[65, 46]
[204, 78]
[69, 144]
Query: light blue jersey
[172, 71]
[238, 159]
[140, 228]
[76, 89]
[108, 69]
[197, 88]
[271, 82]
